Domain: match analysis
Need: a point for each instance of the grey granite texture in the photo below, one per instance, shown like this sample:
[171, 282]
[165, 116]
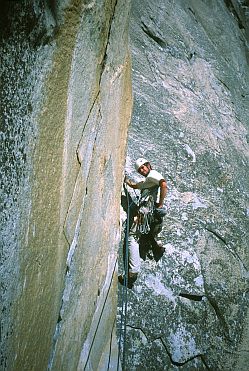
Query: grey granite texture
[189, 311]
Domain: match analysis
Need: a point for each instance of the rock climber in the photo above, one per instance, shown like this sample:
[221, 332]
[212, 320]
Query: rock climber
[153, 189]
[153, 180]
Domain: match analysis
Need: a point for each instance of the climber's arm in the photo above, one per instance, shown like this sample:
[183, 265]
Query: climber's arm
[163, 192]
[132, 184]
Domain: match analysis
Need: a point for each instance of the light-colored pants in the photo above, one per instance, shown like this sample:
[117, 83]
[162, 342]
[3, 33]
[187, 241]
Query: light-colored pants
[134, 257]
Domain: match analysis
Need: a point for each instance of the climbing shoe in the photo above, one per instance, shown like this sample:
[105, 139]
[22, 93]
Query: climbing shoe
[131, 279]
[158, 251]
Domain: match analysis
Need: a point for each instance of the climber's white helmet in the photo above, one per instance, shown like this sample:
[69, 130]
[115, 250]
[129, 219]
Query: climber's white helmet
[140, 162]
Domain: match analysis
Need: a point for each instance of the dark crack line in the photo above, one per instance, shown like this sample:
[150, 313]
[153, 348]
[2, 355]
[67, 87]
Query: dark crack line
[103, 62]
[94, 141]
[216, 234]
[70, 208]
[218, 313]
[55, 337]
[93, 146]
[180, 363]
[223, 83]
[64, 233]
[193, 12]
[191, 296]
[151, 35]
[83, 199]
[58, 326]
[140, 329]
[231, 8]
[110, 347]
[201, 356]
[101, 313]
[87, 119]
[220, 317]
[204, 362]
[221, 238]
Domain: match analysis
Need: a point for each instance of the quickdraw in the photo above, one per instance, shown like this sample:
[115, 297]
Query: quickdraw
[145, 214]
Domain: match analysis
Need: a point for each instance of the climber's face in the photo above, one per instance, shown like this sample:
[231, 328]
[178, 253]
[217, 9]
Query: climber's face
[144, 169]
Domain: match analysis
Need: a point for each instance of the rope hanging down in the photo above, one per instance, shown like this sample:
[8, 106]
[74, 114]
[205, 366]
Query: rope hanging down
[123, 320]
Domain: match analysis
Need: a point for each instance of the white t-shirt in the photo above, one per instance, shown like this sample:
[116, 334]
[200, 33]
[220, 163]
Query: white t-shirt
[151, 183]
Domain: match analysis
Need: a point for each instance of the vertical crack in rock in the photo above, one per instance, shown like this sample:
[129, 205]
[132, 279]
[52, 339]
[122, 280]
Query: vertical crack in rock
[71, 251]
[96, 320]
[101, 313]
[103, 63]
[57, 57]
[85, 124]
[55, 337]
[81, 213]
[74, 245]
[193, 12]
[71, 204]
[231, 8]
[110, 345]
[97, 94]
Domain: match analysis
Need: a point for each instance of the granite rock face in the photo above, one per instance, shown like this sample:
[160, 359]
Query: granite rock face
[65, 92]
[189, 311]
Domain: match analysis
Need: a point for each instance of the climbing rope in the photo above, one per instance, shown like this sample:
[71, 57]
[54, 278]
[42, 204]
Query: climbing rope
[123, 319]
[144, 219]
[143, 227]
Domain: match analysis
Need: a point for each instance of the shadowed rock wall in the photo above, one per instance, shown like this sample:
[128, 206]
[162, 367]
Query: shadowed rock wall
[189, 311]
[65, 109]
